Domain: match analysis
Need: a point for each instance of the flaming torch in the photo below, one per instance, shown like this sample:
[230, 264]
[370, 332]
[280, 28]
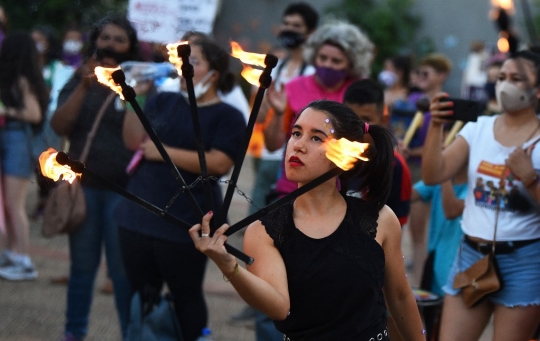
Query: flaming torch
[268, 61]
[104, 76]
[500, 13]
[172, 51]
[343, 153]
[56, 165]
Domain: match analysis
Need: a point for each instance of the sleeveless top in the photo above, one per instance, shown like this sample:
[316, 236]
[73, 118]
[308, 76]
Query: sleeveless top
[335, 283]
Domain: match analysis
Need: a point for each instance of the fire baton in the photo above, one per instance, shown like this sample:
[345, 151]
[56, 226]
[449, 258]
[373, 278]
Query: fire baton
[280, 202]
[129, 94]
[78, 167]
[184, 51]
[264, 80]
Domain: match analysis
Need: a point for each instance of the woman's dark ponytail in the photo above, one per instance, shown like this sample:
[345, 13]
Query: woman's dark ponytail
[376, 174]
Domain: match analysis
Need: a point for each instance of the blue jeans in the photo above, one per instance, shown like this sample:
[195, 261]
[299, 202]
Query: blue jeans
[85, 247]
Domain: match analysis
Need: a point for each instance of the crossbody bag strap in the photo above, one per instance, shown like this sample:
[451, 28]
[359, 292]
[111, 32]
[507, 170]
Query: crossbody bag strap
[92, 133]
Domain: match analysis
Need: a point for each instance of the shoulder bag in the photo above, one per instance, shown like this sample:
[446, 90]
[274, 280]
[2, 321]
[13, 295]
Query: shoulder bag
[65, 209]
[482, 277]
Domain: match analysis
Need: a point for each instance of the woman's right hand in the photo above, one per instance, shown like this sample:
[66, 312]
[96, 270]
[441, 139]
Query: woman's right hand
[440, 110]
[86, 71]
[212, 245]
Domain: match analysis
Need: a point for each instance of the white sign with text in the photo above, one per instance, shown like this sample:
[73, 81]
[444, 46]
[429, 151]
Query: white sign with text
[165, 21]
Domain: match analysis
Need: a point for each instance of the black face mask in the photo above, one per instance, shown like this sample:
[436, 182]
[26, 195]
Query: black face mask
[110, 53]
[291, 39]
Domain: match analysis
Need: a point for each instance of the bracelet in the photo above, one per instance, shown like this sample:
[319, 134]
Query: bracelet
[533, 181]
[236, 270]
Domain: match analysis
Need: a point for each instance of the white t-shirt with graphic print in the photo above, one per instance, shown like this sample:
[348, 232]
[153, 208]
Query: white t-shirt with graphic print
[486, 167]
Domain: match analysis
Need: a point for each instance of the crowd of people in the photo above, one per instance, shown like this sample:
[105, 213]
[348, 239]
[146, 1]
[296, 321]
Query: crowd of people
[329, 264]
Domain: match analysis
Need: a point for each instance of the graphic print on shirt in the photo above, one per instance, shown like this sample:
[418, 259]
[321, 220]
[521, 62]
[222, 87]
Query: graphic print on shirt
[493, 180]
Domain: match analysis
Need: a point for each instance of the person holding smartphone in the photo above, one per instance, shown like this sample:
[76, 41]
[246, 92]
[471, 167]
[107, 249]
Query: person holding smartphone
[504, 164]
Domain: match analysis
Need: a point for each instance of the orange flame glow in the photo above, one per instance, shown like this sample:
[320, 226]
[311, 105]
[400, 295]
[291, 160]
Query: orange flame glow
[104, 76]
[255, 59]
[344, 153]
[503, 45]
[507, 5]
[52, 169]
[172, 51]
[251, 75]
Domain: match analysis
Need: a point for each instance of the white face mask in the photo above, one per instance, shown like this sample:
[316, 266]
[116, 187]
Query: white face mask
[72, 46]
[40, 47]
[200, 88]
[387, 78]
[511, 98]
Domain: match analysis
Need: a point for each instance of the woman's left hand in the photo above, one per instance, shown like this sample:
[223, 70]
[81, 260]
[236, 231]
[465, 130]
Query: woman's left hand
[150, 151]
[520, 163]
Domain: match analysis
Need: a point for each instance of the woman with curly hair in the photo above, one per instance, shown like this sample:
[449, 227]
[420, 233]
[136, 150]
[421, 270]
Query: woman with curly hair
[341, 54]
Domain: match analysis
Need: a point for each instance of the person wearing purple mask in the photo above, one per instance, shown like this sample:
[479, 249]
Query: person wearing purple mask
[341, 54]
[72, 47]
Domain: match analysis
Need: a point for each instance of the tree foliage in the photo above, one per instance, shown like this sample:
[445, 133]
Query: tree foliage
[24, 14]
[390, 24]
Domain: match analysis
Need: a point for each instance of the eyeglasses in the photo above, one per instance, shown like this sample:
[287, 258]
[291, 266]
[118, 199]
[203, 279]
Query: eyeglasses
[422, 74]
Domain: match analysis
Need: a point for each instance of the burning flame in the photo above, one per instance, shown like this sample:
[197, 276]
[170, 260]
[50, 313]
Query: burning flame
[251, 75]
[172, 51]
[104, 76]
[52, 169]
[255, 59]
[507, 5]
[345, 153]
[503, 45]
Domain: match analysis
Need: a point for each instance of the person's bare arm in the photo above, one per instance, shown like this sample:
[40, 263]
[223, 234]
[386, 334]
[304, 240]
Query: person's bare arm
[66, 115]
[133, 132]
[397, 291]
[30, 111]
[217, 162]
[520, 163]
[452, 206]
[263, 285]
[274, 136]
[439, 165]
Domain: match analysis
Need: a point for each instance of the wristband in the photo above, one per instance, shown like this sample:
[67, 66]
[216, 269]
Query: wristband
[236, 270]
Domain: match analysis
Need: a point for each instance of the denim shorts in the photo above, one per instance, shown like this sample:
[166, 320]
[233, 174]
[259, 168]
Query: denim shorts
[15, 153]
[519, 270]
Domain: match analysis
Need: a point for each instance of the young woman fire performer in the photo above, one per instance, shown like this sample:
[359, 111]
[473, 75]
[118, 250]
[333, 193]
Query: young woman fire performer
[326, 262]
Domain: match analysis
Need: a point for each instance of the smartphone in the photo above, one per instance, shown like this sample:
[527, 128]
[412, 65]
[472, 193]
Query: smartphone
[464, 109]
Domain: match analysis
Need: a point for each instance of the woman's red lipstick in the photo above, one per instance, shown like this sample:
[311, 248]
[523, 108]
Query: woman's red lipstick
[294, 161]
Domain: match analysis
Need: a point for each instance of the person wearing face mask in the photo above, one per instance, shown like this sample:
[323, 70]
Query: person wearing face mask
[341, 53]
[72, 47]
[157, 252]
[395, 79]
[503, 164]
[111, 41]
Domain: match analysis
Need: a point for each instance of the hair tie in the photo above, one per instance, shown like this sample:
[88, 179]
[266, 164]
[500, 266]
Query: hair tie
[366, 128]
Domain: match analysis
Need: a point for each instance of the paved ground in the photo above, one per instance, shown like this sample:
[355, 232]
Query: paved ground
[34, 311]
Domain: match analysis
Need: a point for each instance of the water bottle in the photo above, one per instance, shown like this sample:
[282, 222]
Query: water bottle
[206, 335]
[146, 71]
